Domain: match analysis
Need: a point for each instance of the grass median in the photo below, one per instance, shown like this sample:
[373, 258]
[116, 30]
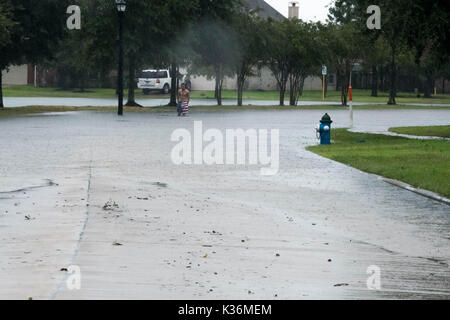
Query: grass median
[359, 95]
[421, 163]
[431, 131]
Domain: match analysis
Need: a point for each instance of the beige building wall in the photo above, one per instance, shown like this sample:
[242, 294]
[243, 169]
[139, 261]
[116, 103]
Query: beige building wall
[263, 80]
[16, 75]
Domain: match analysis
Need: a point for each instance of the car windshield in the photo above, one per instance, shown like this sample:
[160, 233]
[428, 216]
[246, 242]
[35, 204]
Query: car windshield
[154, 74]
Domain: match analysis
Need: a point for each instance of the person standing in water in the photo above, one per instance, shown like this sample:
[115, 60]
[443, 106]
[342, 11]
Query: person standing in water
[184, 96]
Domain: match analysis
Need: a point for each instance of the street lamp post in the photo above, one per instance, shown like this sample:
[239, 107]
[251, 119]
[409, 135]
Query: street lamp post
[121, 8]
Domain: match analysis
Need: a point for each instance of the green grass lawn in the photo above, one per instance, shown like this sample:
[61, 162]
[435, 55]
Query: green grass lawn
[433, 131]
[422, 163]
[333, 96]
[30, 91]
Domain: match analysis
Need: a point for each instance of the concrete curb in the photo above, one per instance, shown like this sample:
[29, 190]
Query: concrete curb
[422, 192]
[394, 134]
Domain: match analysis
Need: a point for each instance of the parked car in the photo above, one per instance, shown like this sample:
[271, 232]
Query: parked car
[155, 80]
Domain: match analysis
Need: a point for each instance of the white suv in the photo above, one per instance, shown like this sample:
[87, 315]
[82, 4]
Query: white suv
[155, 80]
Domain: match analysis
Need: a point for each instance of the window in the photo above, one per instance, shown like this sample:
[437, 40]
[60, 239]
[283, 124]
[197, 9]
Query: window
[331, 79]
[154, 74]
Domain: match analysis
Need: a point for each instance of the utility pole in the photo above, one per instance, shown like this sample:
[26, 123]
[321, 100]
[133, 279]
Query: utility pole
[121, 7]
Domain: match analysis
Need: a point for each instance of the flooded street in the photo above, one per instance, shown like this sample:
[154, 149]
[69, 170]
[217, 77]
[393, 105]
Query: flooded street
[92, 190]
[90, 102]
[152, 102]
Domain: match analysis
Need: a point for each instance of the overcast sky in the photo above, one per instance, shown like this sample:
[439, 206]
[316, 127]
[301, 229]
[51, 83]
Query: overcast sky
[314, 10]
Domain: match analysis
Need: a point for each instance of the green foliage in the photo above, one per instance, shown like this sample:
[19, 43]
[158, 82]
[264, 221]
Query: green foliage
[249, 42]
[38, 25]
[306, 56]
[420, 28]
[276, 52]
[344, 45]
[7, 24]
[29, 29]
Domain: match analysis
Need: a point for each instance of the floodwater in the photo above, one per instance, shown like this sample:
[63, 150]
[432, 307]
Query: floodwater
[209, 232]
[88, 102]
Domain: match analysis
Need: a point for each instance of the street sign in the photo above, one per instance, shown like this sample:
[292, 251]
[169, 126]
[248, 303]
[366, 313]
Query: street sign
[324, 70]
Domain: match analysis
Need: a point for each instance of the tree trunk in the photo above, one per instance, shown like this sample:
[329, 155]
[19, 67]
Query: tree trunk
[131, 83]
[302, 86]
[345, 85]
[282, 93]
[240, 88]
[374, 81]
[173, 85]
[393, 90]
[344, 96]
[219, 83]
[292, 91]
[219, 93]
[428, 84]
[296, 88]
[1, 89]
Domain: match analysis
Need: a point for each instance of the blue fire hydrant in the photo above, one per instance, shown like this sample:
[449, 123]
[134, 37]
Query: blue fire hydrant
[324, 129]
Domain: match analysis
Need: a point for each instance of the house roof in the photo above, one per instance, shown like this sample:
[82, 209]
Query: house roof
[266, 10]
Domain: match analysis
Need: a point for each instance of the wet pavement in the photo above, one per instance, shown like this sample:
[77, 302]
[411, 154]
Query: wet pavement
[88, 102]
[209, 232]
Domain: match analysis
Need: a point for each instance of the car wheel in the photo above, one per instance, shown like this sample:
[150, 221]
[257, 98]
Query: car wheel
[166, 89]
[146, 91]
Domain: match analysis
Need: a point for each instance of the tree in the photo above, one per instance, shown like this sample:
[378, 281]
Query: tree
[306, 55]
[247, 28]
[156, 41]
[393, 30]
[422, 26]
[7, 26]
[428, 34]
[277, 50]
[216, 46]
[151, 30]
[374, 59]
[32, 28]
[343, 43]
